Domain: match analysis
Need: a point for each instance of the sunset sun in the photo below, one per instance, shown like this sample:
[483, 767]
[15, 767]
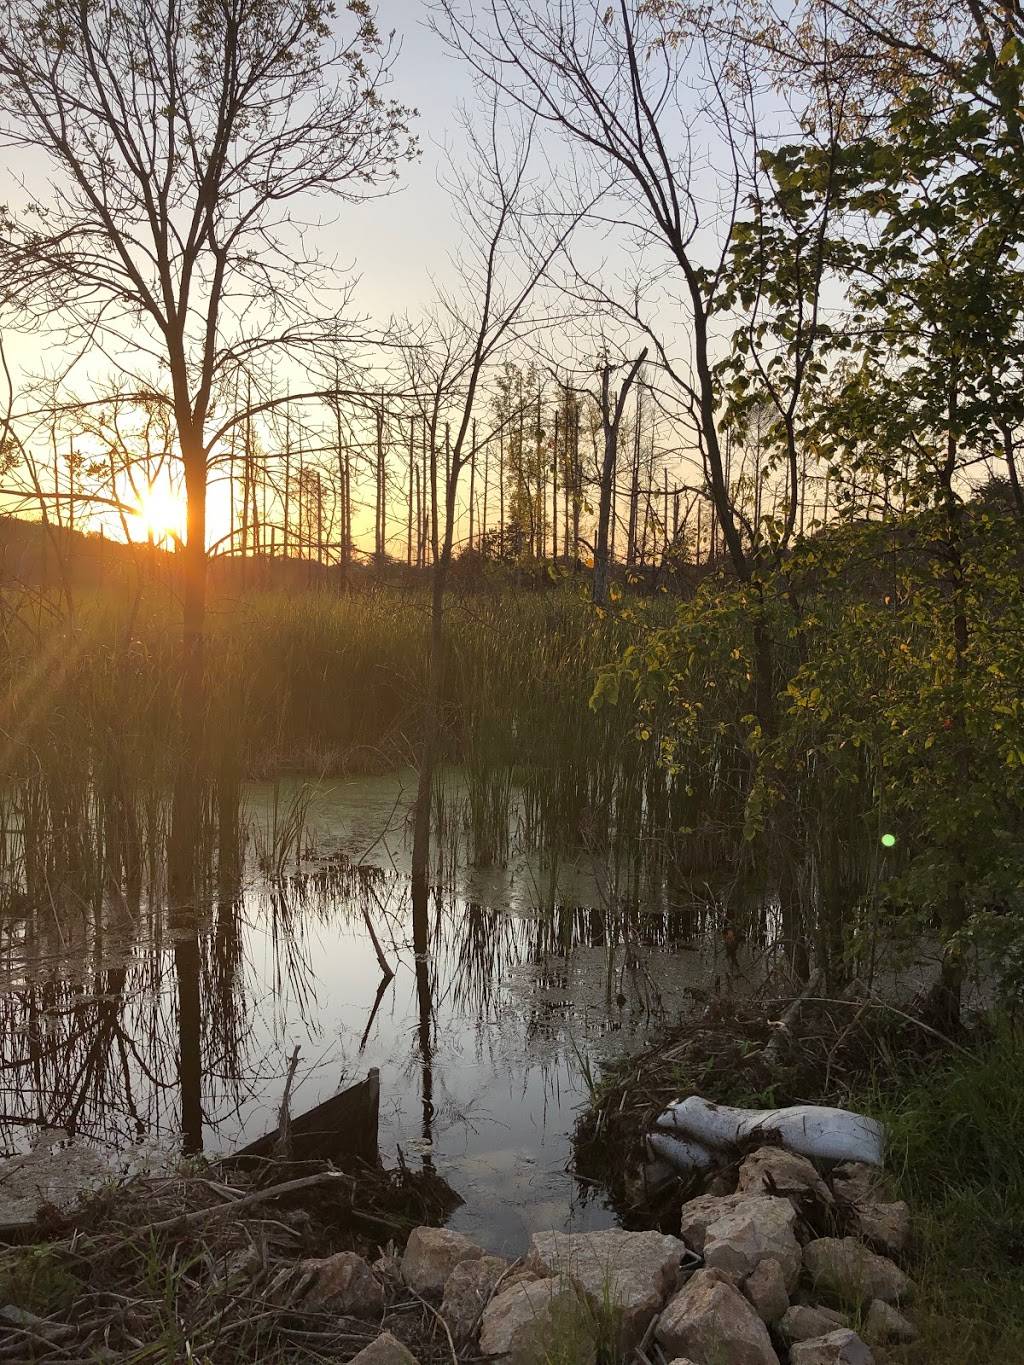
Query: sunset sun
[161, 513]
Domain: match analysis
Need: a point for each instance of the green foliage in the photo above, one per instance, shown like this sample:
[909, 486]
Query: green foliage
[878, 724]
[38, 1280]
[957, 1148]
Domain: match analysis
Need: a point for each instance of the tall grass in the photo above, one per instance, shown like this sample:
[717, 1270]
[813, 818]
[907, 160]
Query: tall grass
[957, 1147]
[329, 684]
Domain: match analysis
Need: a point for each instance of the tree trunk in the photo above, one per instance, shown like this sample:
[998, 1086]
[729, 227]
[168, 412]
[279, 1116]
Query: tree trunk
[600, 589]
[189, 778]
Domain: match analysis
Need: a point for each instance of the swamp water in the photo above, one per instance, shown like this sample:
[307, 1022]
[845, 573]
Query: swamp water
[146, 1033]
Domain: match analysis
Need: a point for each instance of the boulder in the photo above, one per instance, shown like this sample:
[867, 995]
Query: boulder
[858, 1183]
[884, 1325]
[431, 1254]
[467, 1290]
[386, 1350]
[698, 1215]
[345, 1284]
[757, 1229]
[885, 1226]
[850, 1273]
[710, 1321]
[774, 1171]
[766, 1290]
[801, 1322]
[629, 1273]
[841, 1347]
[536, 1322]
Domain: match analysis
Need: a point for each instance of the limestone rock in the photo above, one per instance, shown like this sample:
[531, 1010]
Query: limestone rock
[885, 1226]
[766, 1290]
[431, 1254]
[859, 1183]
[467, 1289]
[633, 1272]
[801, 1322]
[710, 1321]
[522, 1324]
[774, 1171]
[698, 1215]
[847, 1270]
[386, 1350]
[346, 1284]
[757, 1229]
[841, 1347]
[884, 1324]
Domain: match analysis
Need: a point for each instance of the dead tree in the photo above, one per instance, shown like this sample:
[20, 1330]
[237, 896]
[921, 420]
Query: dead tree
[446, 361]
[611, 406]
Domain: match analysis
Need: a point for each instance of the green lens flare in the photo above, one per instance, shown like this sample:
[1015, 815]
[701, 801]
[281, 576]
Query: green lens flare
[888, 840]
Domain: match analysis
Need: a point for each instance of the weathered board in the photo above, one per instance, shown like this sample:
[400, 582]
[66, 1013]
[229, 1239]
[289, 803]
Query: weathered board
[344, 1126]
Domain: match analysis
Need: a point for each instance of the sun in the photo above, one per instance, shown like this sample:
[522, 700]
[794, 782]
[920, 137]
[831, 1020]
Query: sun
[162, 514]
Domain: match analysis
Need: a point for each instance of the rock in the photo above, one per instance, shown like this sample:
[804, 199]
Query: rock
[386, 1350]
[766, 1290]
[346, 1284]
[774, 1171]
[633, 1273]
[885, 1226]
[537, 1322]
[710, 1321]
[884, 1324]
[841, 1347]
[698, 1215]
[801, 1322]
[848, 1271]
[431, 1254]
[466, 1291]
[859, 1183]
[757, 1229]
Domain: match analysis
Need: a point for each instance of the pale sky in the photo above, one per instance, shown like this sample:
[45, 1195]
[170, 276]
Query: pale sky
[398, 242]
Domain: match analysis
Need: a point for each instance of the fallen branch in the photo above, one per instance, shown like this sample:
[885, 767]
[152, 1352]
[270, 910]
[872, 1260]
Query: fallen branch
[785, 1025]
[199, 1216]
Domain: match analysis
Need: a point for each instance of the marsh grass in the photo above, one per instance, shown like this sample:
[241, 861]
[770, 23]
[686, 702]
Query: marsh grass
[321, 683]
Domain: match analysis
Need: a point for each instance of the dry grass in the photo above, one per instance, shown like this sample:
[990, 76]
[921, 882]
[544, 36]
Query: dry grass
[206, 1265]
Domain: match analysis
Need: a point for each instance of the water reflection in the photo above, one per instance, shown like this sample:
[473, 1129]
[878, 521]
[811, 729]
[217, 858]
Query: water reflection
[129, 1025]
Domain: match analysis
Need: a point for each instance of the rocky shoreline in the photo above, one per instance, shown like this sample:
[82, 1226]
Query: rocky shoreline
[794, 1265]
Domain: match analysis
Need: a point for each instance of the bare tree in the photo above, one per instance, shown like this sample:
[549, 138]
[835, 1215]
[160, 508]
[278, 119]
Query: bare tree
[510, 249]
[180, 138]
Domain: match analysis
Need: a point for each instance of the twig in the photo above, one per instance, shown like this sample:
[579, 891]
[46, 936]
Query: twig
[283, 1144]
[447, 1330]
[883, 1005]
[198, 1216]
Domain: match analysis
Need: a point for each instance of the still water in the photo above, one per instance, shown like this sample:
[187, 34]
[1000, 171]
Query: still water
[143, 1034]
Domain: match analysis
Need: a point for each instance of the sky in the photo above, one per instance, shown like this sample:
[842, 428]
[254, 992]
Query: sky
[399, 242]
[403, 246]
